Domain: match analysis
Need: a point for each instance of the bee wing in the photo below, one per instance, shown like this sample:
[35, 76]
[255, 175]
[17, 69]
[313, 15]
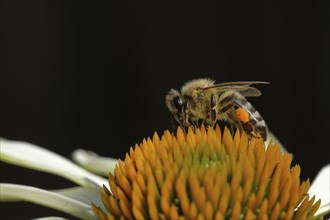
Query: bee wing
[241, 86]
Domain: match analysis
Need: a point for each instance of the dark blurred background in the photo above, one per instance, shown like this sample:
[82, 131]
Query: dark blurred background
[94, 75]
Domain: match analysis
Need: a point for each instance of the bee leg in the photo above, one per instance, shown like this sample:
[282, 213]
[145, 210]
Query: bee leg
[213, 117]
[175, 124]
[186, 121]
[213, 112]
[234, 121]
[232, 128]
[200, 122]
[237, 110]
[172, 122]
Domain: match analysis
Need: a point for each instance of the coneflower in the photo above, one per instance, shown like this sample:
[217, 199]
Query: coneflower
[206, 174]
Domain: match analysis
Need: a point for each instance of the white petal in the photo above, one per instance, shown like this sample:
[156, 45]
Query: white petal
[50, 218]
[321, 189]
[34, 157]
[82, 194]
[13, 192]
[93, 162]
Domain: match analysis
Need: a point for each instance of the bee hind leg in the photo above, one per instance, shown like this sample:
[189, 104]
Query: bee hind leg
[233, 128]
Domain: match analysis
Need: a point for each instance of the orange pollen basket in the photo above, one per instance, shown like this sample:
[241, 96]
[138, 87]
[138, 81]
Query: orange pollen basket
[242, 115]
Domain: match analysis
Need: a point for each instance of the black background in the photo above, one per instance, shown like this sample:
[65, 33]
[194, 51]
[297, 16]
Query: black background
[94, 75]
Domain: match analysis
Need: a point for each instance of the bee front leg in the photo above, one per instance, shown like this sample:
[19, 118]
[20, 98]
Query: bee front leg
[173, 123]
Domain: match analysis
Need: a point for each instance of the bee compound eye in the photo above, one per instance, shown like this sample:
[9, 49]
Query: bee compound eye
[177, 102]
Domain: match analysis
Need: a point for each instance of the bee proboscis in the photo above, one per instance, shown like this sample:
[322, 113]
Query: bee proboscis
[201, 101]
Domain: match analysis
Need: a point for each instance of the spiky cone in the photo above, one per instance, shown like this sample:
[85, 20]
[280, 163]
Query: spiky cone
[206, 174]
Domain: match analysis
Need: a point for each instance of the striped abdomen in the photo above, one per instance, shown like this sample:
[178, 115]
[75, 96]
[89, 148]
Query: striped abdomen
[234, 107]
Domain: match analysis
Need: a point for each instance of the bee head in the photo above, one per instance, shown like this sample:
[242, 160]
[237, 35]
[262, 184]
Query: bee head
[177, 105]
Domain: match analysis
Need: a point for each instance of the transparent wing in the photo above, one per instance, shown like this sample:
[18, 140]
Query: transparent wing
[244, 87]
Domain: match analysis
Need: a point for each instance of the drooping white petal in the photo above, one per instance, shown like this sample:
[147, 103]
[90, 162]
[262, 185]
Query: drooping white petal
[34, 157]
[321, 189]
[82, 194]
[14, 192]
[93, 162]
[50, 218]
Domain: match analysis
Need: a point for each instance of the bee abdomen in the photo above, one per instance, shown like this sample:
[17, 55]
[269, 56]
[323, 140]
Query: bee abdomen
[255, 117]
[258, 124]
[254, 125]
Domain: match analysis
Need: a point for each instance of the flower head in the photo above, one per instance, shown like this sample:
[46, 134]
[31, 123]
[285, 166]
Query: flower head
[206, 174]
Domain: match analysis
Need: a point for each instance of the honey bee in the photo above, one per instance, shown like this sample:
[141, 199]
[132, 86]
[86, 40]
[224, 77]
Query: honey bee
[201, 101]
